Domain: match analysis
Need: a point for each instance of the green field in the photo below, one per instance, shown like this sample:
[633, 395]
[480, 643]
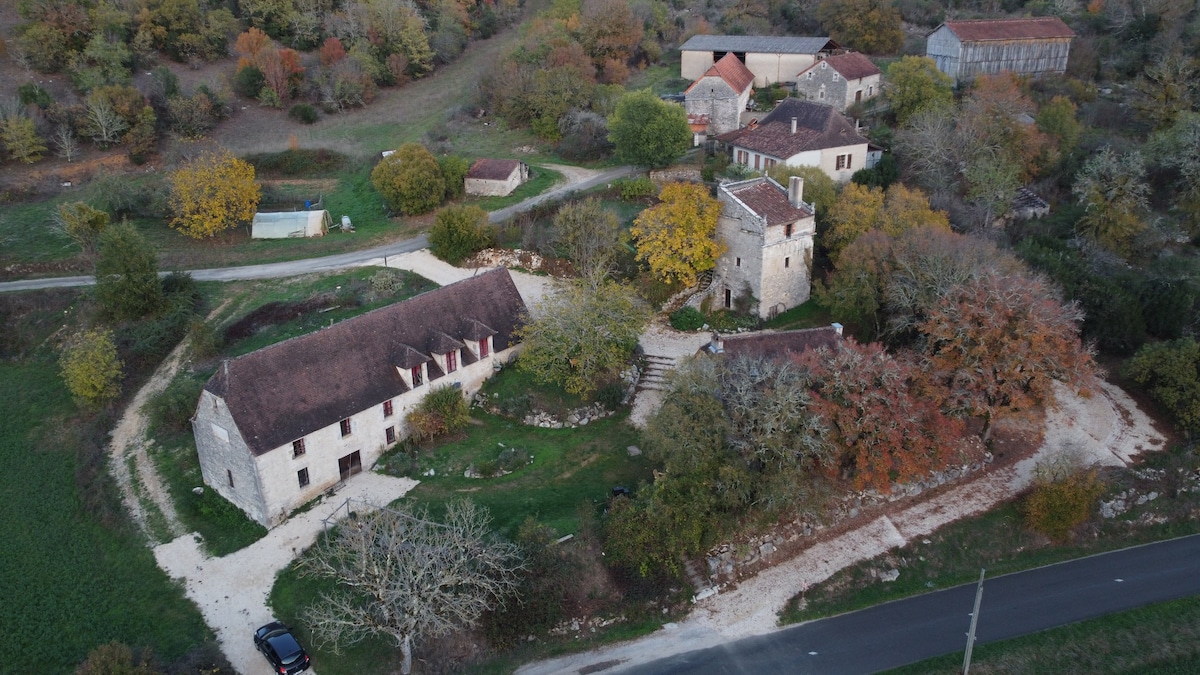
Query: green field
[71, 582]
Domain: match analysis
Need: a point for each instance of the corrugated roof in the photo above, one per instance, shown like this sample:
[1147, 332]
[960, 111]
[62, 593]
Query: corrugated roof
[818, 127]
[978, 30]
[768, 199]
[761, 44]
[851, 65]
[493, 169]
[288, 390]
[732, 71]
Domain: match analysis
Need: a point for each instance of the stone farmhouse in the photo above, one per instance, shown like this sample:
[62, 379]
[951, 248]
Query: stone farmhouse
[800, 133]
[720, 95]
[276, 427]
[1035, 46]
[768, 233]
[840, 80]
[771, 59]
[495, 177]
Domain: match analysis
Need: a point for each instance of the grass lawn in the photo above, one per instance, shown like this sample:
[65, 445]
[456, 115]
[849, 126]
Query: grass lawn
[1161, 639]
[811, 314]
[72, 583]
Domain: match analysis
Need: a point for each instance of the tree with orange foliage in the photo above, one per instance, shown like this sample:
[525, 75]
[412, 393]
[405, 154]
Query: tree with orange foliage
[860, 209]
[332, 51]
[280, 68]
[213, 193]
[884, 434]
[677, 236]
[996, 343]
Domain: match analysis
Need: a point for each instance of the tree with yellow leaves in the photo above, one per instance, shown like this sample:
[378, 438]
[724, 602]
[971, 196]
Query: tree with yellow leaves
[860, 209]
[213, 193]
[676, 237]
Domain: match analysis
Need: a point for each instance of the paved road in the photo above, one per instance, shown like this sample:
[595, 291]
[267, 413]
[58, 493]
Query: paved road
[333, 262]
[918, 628]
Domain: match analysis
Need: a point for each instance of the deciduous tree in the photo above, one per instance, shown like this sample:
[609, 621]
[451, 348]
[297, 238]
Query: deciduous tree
[21, 139]
[1170, 373]
[914, 84]
[996, 344]
[648, 131]
[1178, 148]
[1113, 190]
[90, 367]
[931, 150]
[582, 334]
[860, 209]
[588, 233]
[410, 180]
[885, 434]
[402, 576]
[872, 26]
[676, 236]
[83, 225]
[213, 193]
[459, 232]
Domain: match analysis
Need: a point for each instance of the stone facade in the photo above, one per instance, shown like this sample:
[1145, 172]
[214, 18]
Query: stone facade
[495, 177]
[770, 58]
[768, 233]
[277, 427]
[839, 81]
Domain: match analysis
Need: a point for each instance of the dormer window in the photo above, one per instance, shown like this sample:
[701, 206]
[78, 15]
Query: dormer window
[483, 348]
[417, 378]
[451, 361]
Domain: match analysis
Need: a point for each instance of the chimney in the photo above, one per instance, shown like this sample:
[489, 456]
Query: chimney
[796, 191]
[793, 126]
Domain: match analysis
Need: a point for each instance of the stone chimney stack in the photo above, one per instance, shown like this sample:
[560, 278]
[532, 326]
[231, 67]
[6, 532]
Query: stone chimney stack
[793, 126]
[796, 191]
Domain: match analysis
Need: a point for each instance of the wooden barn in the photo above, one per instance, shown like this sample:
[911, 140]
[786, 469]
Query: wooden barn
[966, 49]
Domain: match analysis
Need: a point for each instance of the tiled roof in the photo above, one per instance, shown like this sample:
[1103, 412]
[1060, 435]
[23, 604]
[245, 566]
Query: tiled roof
[698, 122]
[783, 343]
[768, 199]
[818, 127]
[759, 44]
[288, 390]
[851, 65]
[732, 71]
[493, 169]
[1010, 29]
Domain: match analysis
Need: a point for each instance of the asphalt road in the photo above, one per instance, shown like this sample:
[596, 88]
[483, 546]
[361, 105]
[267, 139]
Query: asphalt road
[333, 262]
[905, 631]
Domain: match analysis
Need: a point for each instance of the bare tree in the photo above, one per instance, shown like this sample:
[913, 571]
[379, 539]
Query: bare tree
[65, 143]
[103, 122]
[403, 576]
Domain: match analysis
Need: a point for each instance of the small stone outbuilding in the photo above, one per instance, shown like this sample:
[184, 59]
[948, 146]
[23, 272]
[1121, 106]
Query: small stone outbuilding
[1031, 46]
[840, 80]
[720, 95]
[495, 177]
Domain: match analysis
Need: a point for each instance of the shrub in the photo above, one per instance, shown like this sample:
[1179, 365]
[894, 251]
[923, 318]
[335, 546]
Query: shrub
[611, 395]
[442, 411]
[687, 318]
[458, 232]
[410, 180]
[249, 81]
[511, 459]
[204, 339]
[171, 410]
[516, 406]
[1062, 497]
[633, 189]
[303, 112]
[33, 94]
[385, 283]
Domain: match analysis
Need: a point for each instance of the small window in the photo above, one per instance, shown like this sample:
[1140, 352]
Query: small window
[824, 65]
[738, 263]
[220, 433]
[416, 377]
[387, 408]
[345, 424]
[390, 434]
[483, 348]
[229, 475]
[302, 477]
[728, 298]
[843, 162]
[787, 262]
[452, 361]
[810, 74]
[298, 447]
[870, 90]
[835, 77]
[787, 230]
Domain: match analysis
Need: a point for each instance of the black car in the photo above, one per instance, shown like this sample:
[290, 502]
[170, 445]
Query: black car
[277, 643]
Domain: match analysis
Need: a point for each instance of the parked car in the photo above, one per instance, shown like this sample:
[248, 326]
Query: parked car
[281, 648]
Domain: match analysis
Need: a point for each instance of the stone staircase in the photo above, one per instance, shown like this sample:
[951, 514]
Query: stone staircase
[703, 283]
[655, 372]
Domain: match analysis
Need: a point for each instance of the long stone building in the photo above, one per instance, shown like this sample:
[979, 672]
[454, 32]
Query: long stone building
[771, 59]
[966, 49]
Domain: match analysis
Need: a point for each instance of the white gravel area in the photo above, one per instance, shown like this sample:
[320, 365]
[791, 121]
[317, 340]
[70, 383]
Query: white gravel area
[1105, 426]
[231, 591]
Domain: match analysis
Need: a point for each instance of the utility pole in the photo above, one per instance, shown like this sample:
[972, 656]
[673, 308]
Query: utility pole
[974, 620]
